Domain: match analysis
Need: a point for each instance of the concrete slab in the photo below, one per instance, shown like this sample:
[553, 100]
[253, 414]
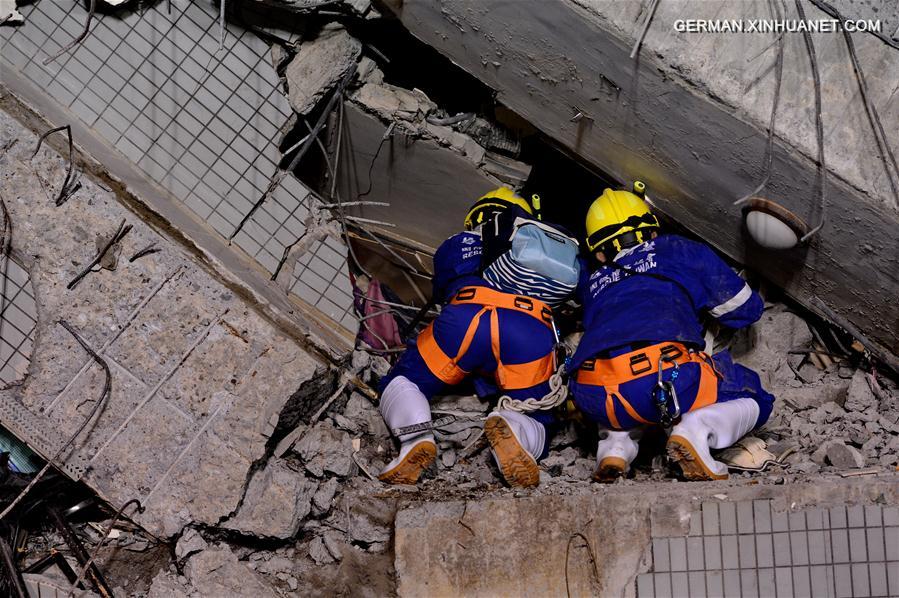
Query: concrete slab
[199, 378]
[601, 542]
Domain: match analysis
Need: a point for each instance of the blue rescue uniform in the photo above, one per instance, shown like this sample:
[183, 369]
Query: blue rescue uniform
[632, 319]
[505, 341]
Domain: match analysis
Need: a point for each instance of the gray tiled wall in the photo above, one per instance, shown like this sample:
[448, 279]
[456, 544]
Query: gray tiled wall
[748, 549]
[18, 317]
[200, 121]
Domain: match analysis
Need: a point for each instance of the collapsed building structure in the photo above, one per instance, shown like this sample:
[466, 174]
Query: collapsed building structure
[188, 322]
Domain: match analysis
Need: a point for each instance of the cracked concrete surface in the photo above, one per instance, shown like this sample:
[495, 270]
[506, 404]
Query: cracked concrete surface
[199, 379]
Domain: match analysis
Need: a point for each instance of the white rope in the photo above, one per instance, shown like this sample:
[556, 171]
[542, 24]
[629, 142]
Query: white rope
[556, 396]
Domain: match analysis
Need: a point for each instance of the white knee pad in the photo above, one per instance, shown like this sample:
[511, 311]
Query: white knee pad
[405, 410]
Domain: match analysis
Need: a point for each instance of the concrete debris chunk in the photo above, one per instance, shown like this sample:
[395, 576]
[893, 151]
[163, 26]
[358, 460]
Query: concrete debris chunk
[326, 449]
[765, 345]
[368, 519]
[166, 585]
[190, 543]
[319, 553]
[843, 456]
[277, 500]
[217, 572]
[334, 542]
[860, 397]
[319, 65]
[321, 500]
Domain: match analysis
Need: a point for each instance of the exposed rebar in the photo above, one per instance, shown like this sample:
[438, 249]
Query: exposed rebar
[118, 236]
[104, 394]
[70, 184]
[819, 123]
[77, 40]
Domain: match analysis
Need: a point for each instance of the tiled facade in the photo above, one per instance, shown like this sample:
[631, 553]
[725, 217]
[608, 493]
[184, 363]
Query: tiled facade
[749, 549]
[201, 122]
[18, 317]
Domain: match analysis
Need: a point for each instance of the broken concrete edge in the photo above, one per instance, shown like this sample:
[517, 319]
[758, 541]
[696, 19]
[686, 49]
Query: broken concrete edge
[438, 545]
[228, 264]
[306, 7]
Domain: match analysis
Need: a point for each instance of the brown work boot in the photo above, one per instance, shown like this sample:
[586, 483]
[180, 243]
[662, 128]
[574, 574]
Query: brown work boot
[517, 465]
[609, 470]
[414, 458]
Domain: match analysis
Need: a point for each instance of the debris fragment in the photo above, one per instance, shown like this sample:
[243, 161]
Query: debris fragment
[72, 44]
[70, 185]
[277, 500]
[111, 242]
[148, 250]
[320, 63]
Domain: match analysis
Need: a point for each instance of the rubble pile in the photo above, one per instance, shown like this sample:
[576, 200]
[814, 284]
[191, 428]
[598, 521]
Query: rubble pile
[837, 417]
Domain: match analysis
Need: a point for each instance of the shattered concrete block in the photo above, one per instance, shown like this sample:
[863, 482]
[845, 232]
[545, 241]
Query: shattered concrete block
[367, 518]
[166, 585]
[277, 500]
[831, 390]
[319, 553]
[860, 397]
[335, 542]
[325, 448]
[844, 457]
[321, 500]
[217, 572]
[319, 65]
[190, 542]
[361, 411]
[764, 346]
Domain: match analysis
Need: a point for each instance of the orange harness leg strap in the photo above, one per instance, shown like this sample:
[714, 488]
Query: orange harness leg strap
[611, 373]
[442, 365]
[508, 376]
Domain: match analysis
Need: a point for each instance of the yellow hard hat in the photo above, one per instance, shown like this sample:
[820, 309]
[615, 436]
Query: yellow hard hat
[616, 213]
[493, 202]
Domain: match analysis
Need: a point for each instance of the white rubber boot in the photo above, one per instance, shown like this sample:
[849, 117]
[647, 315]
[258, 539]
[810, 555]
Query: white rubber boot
[516, 441]
[717, 426]
[408, 417]
[615, 452]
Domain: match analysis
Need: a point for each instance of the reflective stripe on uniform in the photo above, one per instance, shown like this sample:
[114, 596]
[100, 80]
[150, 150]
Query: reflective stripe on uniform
[733, 303]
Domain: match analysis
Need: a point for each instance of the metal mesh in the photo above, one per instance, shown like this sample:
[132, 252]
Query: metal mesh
[199, 121]
[18, 319]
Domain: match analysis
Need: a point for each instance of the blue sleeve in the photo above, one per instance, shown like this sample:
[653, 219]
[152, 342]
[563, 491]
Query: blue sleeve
[457, 257]
[583, 283]
[722, 293]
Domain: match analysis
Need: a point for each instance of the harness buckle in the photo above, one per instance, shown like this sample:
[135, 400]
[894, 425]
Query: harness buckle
[466, 294]
[637, 359]
[547, 315]
[524, 303]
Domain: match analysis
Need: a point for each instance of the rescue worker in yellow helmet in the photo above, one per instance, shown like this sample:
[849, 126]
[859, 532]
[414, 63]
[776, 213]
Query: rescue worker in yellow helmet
[500, 336]
[643, 310]
[498, 200]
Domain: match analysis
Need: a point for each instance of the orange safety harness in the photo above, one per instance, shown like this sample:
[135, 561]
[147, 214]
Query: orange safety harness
[508, 376]
[613, 372]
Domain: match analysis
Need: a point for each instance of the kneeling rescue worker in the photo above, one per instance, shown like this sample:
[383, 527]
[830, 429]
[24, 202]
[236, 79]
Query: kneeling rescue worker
[492, 325]
[640, 360]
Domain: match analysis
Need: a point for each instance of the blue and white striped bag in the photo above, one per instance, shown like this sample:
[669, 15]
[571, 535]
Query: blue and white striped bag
[542, 263]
